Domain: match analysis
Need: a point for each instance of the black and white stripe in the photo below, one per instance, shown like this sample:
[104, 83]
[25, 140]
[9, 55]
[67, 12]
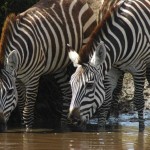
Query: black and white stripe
[8, 96]
[126, 46]
[39, 37]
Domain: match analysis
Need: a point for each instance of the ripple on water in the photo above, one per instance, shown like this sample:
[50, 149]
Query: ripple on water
[125, 136]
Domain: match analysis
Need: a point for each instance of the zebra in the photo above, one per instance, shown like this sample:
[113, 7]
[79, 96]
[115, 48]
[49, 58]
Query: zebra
[121, 42]
[104, 9]
[33, 44]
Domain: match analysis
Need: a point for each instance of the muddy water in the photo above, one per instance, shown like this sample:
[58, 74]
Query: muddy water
[125, 138]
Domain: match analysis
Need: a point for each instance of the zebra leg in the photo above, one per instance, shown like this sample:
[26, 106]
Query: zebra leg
[115, 96]
[139, 80]
[62, 79]
[110, 83]
[104, 109]
[31, 94]
[21, 98]
[148, 76]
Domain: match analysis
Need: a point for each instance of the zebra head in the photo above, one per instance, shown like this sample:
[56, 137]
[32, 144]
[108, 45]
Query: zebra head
[87, 86]
[8, 92]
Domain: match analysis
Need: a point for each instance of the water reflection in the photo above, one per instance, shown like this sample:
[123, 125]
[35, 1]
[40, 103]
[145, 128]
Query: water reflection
[126, 138]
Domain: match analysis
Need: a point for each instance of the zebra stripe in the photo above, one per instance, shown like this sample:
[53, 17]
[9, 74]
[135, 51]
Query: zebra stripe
[38, 37]
[9, 94]
[125, 46]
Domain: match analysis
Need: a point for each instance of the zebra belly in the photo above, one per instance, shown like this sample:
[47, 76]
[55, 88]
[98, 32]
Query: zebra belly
[133, 67]
[53, 65]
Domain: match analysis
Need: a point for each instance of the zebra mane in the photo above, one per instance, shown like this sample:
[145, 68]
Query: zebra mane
[107, 8]
[5, 31]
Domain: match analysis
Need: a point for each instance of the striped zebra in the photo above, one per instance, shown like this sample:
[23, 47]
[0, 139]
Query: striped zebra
[104, 9]
[32, 44]
[120, 42]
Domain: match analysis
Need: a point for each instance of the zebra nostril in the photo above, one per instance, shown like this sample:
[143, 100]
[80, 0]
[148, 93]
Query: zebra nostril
[74, 116]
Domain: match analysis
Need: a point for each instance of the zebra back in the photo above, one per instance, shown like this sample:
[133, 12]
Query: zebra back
[121, 40]
[45, 29]
[36, 42]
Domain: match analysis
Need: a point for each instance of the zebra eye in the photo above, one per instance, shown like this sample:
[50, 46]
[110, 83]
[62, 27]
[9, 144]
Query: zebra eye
[10, 91]
[89, 84]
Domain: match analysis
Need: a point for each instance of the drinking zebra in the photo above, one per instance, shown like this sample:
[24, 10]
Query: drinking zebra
[33, 44]
[121, 42]
[104, 9]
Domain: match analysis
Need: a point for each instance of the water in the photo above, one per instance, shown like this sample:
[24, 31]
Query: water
[123, 137]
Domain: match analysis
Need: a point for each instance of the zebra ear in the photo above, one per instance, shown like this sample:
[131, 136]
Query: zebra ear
[12, 62]
[99, 54]
[73, 55]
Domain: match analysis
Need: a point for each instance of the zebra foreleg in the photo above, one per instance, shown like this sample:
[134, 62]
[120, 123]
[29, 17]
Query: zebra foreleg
[139, 80]
[104, 109]
[21, 98]
[62, 79]
[148, 76]
[115, 96]
[31, 94]
[110, 84]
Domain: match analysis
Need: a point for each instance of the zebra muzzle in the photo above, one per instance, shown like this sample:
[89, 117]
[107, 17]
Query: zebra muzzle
[75, 117]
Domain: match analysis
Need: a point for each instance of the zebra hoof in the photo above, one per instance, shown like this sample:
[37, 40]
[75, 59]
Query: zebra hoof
[101, 128]
[28, 129]
[141, 129]
[141, 126]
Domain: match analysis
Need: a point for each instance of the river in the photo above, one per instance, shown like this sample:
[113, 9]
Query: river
[124, 136]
